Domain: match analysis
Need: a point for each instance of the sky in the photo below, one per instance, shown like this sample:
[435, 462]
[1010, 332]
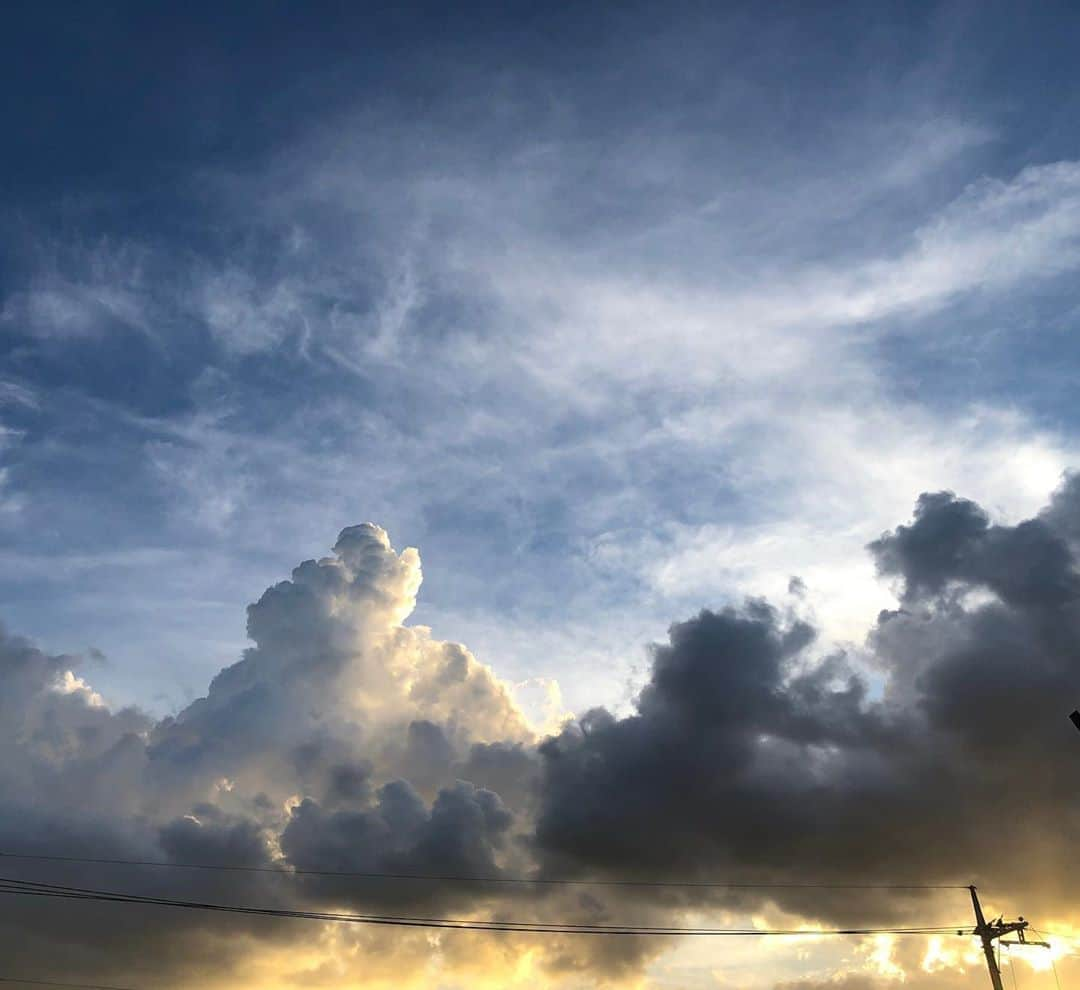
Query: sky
[587, 441]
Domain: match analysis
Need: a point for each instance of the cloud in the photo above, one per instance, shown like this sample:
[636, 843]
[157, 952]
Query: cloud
[460, 834]
[854, 470]
[767, 326]
[334, 675]
[342, 740]
[614, 343]
[72, 750]
[953, 540]
[343, 323]
[752, 752]
[15, 394]
[81, 289]
[244, 318]
[347, 740]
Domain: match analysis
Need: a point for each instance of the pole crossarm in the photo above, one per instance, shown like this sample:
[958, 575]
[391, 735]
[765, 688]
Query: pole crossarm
[991, 931]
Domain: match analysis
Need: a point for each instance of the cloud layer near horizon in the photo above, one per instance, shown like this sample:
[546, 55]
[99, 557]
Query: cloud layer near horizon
[346, 740]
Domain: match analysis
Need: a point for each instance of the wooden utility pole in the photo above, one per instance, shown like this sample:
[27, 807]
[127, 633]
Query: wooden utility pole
[989, 931]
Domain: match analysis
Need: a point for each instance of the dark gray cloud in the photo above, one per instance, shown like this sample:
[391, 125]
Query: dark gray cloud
[346, 740]
[460, 834]
[953, 541]
[742, 759]
[207, 835]
[750, 756]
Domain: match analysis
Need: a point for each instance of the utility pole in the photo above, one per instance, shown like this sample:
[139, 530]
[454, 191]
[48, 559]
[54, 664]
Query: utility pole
[988, 931]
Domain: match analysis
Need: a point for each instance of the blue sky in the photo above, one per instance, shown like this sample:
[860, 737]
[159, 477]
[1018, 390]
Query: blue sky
[627, 317]
[614, 312]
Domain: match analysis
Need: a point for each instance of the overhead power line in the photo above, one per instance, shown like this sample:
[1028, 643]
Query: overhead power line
[1053, 965]
[1043, 932]
[54, 983]
[28, 888]
[501, 879]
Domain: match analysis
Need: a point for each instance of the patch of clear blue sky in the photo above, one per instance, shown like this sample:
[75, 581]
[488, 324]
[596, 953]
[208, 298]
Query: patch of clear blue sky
[160, 473]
